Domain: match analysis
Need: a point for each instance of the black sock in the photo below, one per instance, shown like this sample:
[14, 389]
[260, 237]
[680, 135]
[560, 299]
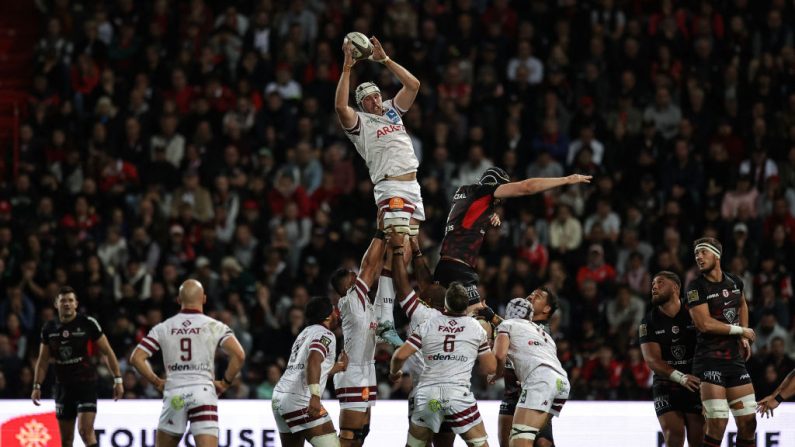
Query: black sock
[711, 442]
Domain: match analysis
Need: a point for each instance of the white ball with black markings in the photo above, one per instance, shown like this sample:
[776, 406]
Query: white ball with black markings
[362, 47]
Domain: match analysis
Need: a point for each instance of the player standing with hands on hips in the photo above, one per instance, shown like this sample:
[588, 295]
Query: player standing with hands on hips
[719, 310]
[668, 341]
[66, 340]
[190, 392]
[381, 139]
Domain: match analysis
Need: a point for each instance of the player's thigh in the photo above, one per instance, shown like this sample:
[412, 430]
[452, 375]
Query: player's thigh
[420, 433]
[673, 425]
[205, 440]
[292, 439]
[201, 409]
[694, 422]
[428, 408]
[445, 438]
[477, 432]
[353, 418]
[504, 423]
[532, 418]
[67, 429]
[710, 391]
[85, 425]
[166, 439]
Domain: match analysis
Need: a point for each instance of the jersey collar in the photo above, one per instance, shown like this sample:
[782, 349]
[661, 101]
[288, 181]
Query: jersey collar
[190, 311]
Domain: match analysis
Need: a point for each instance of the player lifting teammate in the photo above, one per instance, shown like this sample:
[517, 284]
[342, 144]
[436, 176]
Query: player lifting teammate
[449, 344]
[472, 213]
[66, 340]
[357, 387]
[545, 303]
[718, 309]
[188, 341]
[381, 139]
[668, 341]
[533, 354]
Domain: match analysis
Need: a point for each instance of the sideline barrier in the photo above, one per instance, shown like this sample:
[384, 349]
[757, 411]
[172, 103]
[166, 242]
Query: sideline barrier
[250, 423]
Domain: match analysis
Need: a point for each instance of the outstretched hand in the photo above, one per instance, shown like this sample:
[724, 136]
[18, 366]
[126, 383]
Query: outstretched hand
[347, 50]
[579, 178]
[378, 51]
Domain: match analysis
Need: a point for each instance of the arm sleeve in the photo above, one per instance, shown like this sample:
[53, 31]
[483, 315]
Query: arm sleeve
[505, 328]
[224, 333]
[695, 296]
[483, 348]
[151, 343]
[94, 329]
[415, 339]
[416, 310]
[323, 343]
[645, 333]
[355, 301]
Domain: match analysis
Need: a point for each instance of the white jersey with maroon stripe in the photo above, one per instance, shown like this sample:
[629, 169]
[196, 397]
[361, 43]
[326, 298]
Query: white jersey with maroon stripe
[313, 338]
[530, 348]
[188, 341]
[358, 324]
[383, 142]
[449, 347]
[418, 312]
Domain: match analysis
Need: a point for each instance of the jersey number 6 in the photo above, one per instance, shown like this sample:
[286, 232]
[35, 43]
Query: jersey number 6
[449, 343]
[185, 347]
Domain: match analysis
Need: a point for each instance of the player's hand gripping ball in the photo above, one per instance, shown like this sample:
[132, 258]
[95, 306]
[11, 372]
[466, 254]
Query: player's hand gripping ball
[362, 47]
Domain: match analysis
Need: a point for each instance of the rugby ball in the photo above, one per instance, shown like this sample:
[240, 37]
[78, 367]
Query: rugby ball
[362, 47]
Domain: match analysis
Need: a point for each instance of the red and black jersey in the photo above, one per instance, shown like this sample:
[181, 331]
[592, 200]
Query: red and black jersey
[723, 301]
[466, 224]
[676, 337]
[71, 346]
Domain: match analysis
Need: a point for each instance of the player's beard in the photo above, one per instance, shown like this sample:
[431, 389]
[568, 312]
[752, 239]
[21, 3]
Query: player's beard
[659, 299]
[708, 267]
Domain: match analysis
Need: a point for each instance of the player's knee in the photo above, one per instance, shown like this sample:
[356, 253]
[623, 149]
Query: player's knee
[327, 440]
[411, 441]
[355, 435]
[477, 442]
[743, 406]
[522, 435]
[716, 409]
[86, 434]
[746, 427]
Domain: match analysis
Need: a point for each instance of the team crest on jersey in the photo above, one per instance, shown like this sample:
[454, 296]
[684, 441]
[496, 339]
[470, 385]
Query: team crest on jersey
[325, 341]
[678, 352]
[453, 323]
[643, 330]
[730, 314]
[725, 293]
[65, 352]
[675, 329]
[692, 296]
[392, 116]
[65, 334]
[186, 323]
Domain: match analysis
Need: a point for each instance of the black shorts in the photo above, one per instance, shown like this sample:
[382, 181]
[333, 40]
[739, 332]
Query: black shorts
[73, 398]
[726, 373]
[448, 272]
[669, 396]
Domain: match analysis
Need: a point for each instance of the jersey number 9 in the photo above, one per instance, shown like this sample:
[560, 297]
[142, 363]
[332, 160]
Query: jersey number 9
[185, 347]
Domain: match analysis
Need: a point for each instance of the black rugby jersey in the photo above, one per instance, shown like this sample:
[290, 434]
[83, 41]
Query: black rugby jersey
[723, 299]
[69, 348]
[676, 337]
[467, 222]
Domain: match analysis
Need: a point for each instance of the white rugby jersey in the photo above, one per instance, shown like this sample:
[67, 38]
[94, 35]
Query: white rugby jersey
[188, 340]
[383, 143]
[313, 338]
[531, 347]
[358, 324]
[449, 346]
[418, 312]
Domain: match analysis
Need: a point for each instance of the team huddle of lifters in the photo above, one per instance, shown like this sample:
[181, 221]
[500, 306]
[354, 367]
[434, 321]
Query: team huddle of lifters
[691, 347]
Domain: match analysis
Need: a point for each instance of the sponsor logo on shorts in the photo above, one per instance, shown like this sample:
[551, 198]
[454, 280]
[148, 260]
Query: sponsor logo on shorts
[435, 406]
[177, 402]
[661, 402]
[713, 376]
[745, 376]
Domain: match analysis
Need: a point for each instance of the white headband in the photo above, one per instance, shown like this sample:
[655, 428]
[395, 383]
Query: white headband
[708, 246]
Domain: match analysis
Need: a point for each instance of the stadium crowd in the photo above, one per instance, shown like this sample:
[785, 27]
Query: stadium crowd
[172, 139]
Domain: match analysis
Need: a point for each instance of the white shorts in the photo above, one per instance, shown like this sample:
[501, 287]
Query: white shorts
[291, 412]
[409, 191]
[544, 391]
[197, 404]
[356, 388]
[453, 406]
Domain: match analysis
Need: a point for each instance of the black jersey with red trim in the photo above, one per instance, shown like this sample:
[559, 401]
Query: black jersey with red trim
[466, 224]
[723, 302]
[71, 345]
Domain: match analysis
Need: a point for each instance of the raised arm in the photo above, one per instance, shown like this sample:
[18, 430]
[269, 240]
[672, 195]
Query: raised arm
[113, 365]
[372, 262]
[535, 185]
[653, 357]
[501, 345]
[421, 270]
[400, 276]
[42, 363]
[411, 85]
[345, 113]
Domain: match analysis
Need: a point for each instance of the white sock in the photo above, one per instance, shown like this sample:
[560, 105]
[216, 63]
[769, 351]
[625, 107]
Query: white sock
[385, 300]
